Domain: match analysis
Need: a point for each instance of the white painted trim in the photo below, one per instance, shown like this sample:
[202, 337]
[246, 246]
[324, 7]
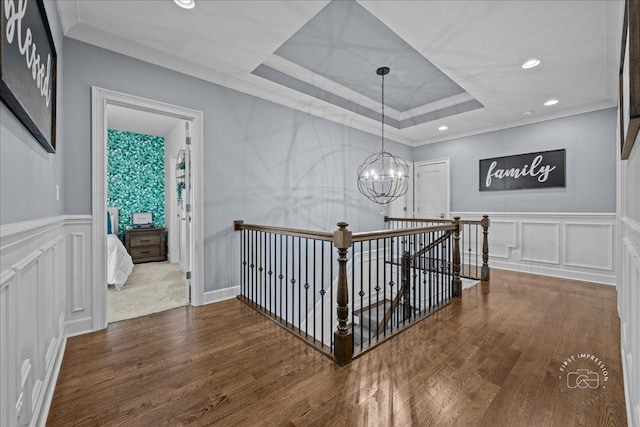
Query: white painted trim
[609, 265]
[42, 413]
[30, 227]
[477, 215]
[518, 260]
[100, 98]
[631, 225]
[556, 260]
[447, 166]
[221, 294]
[555, 272]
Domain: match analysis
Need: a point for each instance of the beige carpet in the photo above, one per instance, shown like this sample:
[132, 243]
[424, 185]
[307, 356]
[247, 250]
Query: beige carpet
[151, 287]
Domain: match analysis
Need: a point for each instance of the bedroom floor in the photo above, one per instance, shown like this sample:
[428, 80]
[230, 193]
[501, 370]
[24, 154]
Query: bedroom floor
[151, 287]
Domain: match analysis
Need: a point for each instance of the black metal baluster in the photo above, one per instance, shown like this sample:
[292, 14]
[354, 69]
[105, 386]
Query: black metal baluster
[384, 290]
[270, 272]
[322, 292]
[252, 251]
[280, 277]
[353, 297]
[306, 287]
[242, 281]
[377, 288]
[332, 317]
[315, 272]
[369, 309]
[286, 280]
[361, 293]
[299, 284]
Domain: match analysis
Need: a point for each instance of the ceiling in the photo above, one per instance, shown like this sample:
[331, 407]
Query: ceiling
[453, 63]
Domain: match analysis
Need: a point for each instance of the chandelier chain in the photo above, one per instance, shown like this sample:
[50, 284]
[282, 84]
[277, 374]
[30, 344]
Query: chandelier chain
[383, 112]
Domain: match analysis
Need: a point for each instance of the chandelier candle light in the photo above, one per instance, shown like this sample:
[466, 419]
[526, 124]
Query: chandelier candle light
[383, 177]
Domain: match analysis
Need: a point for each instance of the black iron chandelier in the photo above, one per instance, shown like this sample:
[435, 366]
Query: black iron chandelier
[383, 177]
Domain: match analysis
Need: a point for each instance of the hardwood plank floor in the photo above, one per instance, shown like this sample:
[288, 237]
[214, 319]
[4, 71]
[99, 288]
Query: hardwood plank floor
[492, 358]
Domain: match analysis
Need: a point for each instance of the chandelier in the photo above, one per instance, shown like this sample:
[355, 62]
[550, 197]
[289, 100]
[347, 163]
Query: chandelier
[383, 177]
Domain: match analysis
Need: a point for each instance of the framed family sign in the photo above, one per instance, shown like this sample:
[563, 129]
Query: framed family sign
[543, 169]
[28, 66]
[630, 78]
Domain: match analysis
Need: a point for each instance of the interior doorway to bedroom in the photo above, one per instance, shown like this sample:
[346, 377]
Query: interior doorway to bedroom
[101, 100]
[147, 221]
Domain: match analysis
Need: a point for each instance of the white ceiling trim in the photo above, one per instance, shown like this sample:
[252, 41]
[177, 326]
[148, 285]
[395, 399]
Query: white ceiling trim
[246, 83]
[321, 82]
[477, 44]
[437, 105]
[526, 120]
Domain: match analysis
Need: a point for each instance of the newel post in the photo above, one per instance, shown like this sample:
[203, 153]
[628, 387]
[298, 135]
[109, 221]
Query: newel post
[342, 337]
[457, 283]
[485, 272]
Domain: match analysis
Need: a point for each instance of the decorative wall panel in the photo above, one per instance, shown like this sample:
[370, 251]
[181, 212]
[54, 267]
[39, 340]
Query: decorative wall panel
[33, 264]
[588, 245]
[540, 241]
[567, 245]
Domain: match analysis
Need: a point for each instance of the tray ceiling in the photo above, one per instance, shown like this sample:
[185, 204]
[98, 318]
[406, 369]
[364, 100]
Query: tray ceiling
[454, 63]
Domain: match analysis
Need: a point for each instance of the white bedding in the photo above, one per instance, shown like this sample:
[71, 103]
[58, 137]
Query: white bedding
[119, 263]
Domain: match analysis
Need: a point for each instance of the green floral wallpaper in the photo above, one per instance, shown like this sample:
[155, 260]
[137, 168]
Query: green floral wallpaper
[135, 175]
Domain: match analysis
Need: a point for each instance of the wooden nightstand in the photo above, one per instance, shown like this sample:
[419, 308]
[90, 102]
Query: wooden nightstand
[145, 244]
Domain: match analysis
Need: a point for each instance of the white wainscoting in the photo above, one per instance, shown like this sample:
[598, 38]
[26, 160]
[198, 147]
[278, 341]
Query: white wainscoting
[43, 296]
[579, 246]
[628, 303]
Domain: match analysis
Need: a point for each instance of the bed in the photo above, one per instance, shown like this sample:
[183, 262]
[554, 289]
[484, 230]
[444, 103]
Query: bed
[119, 263]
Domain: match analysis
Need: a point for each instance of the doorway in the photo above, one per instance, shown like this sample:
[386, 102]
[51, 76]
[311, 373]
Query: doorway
[432, 189]
[146, 263]
[104, 100]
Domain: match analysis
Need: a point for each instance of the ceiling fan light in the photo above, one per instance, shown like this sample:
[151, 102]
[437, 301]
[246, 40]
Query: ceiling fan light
[185, 4]
[533, 62]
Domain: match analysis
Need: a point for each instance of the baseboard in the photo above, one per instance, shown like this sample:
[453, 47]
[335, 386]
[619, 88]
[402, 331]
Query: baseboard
[78, 327]
[221, 294]
[555, 272]
[43, 412]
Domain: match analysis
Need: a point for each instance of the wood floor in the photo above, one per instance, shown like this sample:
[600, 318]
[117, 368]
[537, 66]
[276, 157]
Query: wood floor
[490, 359]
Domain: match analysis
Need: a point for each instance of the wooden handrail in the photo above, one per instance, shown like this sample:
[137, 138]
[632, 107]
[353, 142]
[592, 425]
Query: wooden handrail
[431, 246]
[373, 235]
[441, 220]
[329, 237]
[318, 235]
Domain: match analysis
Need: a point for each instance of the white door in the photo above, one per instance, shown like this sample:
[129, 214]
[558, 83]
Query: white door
[402, 206]
[188, 203]
[432, 189]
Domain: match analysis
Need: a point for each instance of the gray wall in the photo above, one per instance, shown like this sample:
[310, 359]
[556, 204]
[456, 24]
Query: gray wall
[590, 141]
[28, 174]
[264, 163]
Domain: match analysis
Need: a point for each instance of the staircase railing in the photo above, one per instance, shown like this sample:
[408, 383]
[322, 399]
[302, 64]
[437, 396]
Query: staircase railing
[380, 283]
[474, 242]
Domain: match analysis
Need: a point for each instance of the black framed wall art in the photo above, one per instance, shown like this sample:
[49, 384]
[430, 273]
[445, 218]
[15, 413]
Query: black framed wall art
[543, 169]
[28, 68]
[629, 102]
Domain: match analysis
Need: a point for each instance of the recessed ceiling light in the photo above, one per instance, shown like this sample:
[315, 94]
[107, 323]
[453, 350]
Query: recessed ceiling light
[527, 113]
[531, 63]
[551, 102]
[443, 127]
[186, 4]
